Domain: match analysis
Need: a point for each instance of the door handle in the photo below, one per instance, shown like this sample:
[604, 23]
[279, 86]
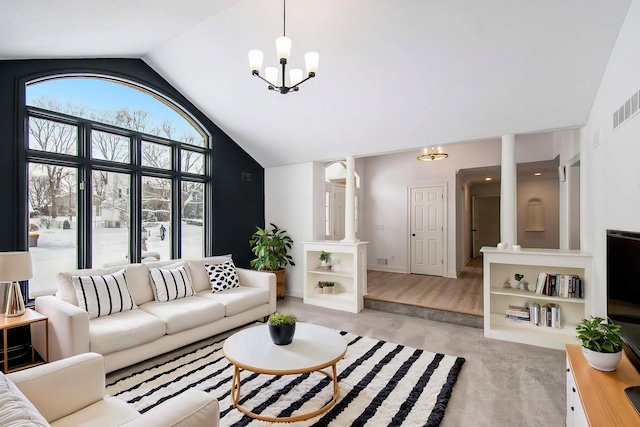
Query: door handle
[414, 234]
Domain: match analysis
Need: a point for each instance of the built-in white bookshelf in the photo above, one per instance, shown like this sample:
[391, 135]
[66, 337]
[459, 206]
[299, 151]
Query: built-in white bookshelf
[348, 272]
[500, 265]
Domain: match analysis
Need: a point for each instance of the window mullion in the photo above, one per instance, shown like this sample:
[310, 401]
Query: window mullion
[83, 216]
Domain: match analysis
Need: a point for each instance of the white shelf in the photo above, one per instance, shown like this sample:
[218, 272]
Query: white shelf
[533, 295]
[349, 274]
[500, 265]
[526, 333]
[332, 273]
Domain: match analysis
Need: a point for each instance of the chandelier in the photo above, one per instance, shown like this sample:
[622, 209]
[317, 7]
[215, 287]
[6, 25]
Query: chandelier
[283, 47]
[432, 155]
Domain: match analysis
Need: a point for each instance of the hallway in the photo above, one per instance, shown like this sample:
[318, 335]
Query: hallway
[461, 295]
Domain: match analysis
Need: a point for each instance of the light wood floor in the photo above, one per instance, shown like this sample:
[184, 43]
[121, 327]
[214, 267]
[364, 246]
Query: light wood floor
[461, 295]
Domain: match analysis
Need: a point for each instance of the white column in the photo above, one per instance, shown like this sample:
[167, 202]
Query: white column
[508, 200]
[350, 203]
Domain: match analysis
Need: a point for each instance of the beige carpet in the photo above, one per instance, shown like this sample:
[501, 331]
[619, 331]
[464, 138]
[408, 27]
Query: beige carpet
[501, 383]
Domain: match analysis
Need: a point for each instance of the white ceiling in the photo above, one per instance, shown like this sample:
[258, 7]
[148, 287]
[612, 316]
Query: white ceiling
[393, 76]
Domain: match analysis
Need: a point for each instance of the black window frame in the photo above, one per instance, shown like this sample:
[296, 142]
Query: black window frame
[85, 165]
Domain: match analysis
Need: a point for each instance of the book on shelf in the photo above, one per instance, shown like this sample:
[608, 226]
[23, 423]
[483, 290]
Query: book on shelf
[546, 315]
[559, 285]
[518, 313]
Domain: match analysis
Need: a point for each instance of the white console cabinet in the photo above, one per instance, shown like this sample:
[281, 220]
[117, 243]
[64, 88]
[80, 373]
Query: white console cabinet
[348, 272]
[596, 398]
[500, 265]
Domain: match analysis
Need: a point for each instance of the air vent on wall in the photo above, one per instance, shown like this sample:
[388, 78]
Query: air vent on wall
[629, 109]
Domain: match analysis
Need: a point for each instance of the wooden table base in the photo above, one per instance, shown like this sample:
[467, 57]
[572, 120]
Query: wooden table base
[235, 398]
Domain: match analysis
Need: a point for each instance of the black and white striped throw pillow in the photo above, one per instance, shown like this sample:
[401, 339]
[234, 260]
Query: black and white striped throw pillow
[222, 276]
[170, 284]
[103, 295]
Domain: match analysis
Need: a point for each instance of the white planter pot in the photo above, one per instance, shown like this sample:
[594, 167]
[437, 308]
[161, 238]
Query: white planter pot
[602, 361]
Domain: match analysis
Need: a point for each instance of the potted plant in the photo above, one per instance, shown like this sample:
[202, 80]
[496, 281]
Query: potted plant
[516, 280]
[271, 250]
[282, 327]
[325, 260]
[601, 343]
[328, 287]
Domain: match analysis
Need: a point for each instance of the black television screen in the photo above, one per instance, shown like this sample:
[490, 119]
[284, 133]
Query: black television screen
[623, 288]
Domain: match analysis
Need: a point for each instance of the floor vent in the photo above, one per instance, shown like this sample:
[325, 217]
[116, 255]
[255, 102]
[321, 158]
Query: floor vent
[382, 261]
[629, 109]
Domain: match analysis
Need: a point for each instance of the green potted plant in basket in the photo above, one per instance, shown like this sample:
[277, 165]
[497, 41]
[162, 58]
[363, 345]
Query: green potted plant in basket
[271, 247]
[282, 327]
[328, 287]
[601, 343]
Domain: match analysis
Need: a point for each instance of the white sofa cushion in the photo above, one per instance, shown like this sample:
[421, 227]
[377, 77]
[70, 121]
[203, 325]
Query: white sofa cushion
[124, 330]
[170, 283]
[108, 412]
[222, 276]
[103, 295]
[199, 276]
[137, 281]
[238, 300]
[185, 313]
[15, 408]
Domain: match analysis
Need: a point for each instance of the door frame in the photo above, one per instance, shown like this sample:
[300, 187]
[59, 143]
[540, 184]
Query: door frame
[445, 231]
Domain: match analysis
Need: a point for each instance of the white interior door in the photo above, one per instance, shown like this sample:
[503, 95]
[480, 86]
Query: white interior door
[427, 230]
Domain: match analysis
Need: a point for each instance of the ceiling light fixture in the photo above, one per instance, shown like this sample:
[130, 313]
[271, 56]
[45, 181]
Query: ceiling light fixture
[432, 155]
[283, 48]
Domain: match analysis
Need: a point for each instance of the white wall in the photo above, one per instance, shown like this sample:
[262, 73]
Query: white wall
[611, 176]
[387, 179]
[289, 203]
[548, 191]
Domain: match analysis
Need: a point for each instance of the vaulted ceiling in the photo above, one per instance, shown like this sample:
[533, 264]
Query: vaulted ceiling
[394, 75]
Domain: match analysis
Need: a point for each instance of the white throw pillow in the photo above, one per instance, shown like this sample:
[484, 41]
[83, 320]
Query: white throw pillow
[222, 276]
[103, 295]
[170, 283]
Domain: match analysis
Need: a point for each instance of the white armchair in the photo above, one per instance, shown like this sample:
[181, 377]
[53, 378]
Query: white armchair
[71, 392]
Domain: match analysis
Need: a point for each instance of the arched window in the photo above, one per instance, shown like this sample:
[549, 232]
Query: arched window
[117, 173]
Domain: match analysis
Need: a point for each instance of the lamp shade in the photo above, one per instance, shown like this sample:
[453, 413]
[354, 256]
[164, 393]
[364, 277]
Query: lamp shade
[15, 266]
[283, 47]
[311, 61]
[295, 76]
[271, 74]
[255, 60]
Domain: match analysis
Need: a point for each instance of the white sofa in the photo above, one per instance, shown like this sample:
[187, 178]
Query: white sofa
[154, 328]
[71, 392]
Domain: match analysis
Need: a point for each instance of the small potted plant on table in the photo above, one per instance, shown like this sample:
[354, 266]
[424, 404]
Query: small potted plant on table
[282, 327]
[601, 343]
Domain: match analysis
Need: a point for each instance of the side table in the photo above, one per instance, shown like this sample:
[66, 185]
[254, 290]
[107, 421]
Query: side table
[28, 318]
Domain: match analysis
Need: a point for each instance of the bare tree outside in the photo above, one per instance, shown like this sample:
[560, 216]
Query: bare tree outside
[53, 191]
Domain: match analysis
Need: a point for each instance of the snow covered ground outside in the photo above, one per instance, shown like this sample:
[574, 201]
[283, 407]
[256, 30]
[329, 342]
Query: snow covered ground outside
[56, 251]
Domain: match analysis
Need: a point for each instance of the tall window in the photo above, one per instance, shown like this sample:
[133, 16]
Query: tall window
[116, 174]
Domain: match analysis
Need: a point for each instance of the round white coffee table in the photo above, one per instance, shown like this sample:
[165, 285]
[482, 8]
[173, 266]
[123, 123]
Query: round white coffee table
[313, 349]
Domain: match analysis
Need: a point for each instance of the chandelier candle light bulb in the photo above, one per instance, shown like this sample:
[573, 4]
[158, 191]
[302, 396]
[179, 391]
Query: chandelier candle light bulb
[283, 49]
[432, 155]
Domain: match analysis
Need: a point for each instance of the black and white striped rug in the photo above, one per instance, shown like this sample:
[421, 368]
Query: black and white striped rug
[381, 384]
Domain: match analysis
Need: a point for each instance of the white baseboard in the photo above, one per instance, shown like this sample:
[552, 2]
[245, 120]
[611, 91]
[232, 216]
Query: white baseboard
[387, 269]
[295, 294]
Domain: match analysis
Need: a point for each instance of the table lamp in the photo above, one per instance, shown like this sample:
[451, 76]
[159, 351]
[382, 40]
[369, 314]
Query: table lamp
[15, 267]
